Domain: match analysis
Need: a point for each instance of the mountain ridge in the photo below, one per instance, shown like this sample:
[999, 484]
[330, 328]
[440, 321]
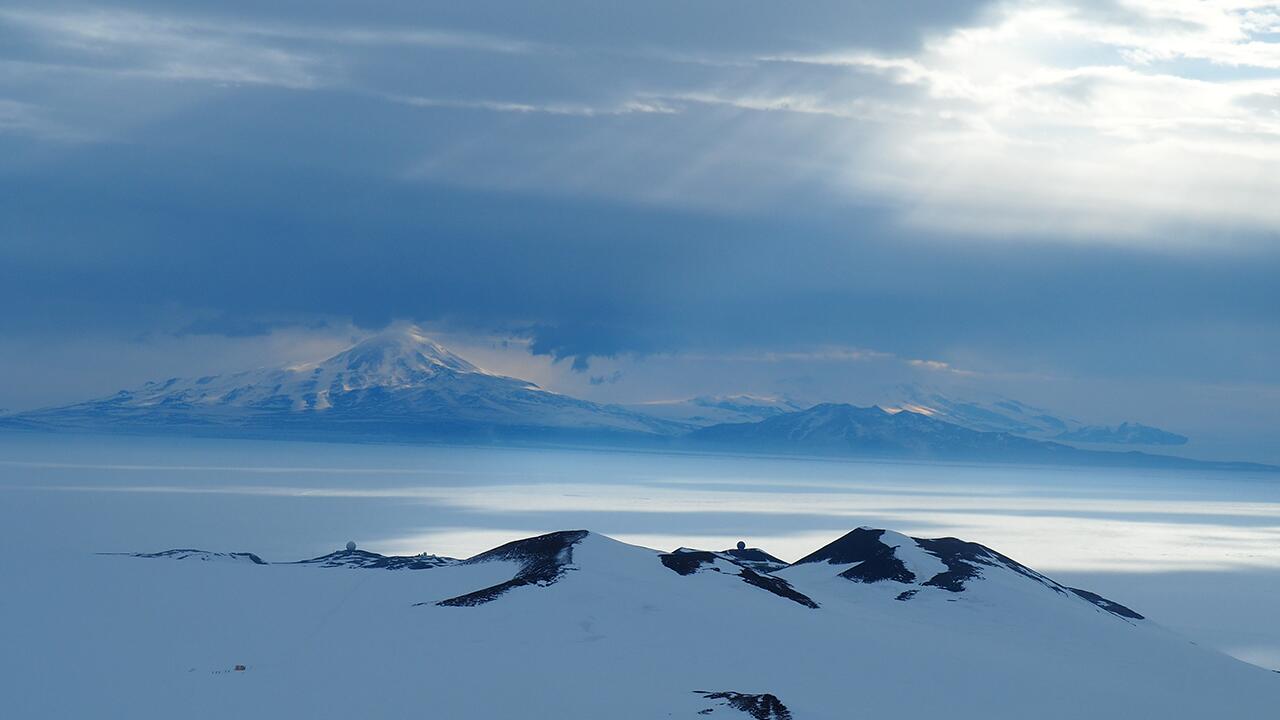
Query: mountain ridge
[570, 624]
[401, 386]
[864, 555]
[996, 413]
[845, 430]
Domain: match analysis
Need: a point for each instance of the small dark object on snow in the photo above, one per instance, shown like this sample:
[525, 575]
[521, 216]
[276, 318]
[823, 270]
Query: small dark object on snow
[239, 668]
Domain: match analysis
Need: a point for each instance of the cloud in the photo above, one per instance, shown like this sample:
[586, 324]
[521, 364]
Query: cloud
[162, 47]
[1126, 122]
[937, 366]
[610, 379]
[1039, 120]
[21, 118]
[625, 108]
[1054, 121]
[830, 354]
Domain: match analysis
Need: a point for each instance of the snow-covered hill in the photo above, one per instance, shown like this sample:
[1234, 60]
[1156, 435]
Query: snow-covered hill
[575, 625]
[395, 384]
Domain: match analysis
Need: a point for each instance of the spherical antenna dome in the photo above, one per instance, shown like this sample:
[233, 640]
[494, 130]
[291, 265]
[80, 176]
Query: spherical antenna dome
[351, 545]
[742, 545]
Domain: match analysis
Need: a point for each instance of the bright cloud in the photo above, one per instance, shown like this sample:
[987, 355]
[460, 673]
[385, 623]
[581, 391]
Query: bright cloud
[1111, 122]
[1110, 125]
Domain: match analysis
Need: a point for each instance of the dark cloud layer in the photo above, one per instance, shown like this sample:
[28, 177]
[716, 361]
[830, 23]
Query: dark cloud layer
[118, 227]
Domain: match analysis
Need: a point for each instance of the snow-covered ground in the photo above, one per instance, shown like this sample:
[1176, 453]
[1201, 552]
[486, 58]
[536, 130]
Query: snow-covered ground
[607, 630]
[110, 636]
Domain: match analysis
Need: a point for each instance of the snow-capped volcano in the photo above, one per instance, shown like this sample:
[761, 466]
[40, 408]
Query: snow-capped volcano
[395, 384]
[392, 361]
[402, 360]
[577, 625]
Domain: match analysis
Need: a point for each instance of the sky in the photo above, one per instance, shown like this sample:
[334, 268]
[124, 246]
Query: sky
[1071, 204]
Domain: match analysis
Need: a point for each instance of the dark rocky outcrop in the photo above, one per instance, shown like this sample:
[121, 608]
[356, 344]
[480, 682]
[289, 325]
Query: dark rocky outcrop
[543, 559]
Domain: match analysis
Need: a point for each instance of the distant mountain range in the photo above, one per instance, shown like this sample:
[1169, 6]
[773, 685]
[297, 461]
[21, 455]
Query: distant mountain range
[572, 625]
[992, 414]
[1001, 414]
[1123, 434]
[401, 386]
[707, 410]
[840, 428]
[835, 429]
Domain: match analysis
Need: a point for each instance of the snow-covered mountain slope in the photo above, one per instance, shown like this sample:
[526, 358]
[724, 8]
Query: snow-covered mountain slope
[840, 428]
[1123, 434]
[397, 383]
[907, 565]
[575, 625]
[707, 410]
[849, 430]
[994, 413]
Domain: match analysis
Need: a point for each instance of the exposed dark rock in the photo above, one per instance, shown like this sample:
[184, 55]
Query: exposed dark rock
[687, 562]
[543, 559]
[963, 560]
[365, 559]
[1110, 606]
[190, 554]
[760, 707]
[875, 560]
[777, 586]
[755, 558]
